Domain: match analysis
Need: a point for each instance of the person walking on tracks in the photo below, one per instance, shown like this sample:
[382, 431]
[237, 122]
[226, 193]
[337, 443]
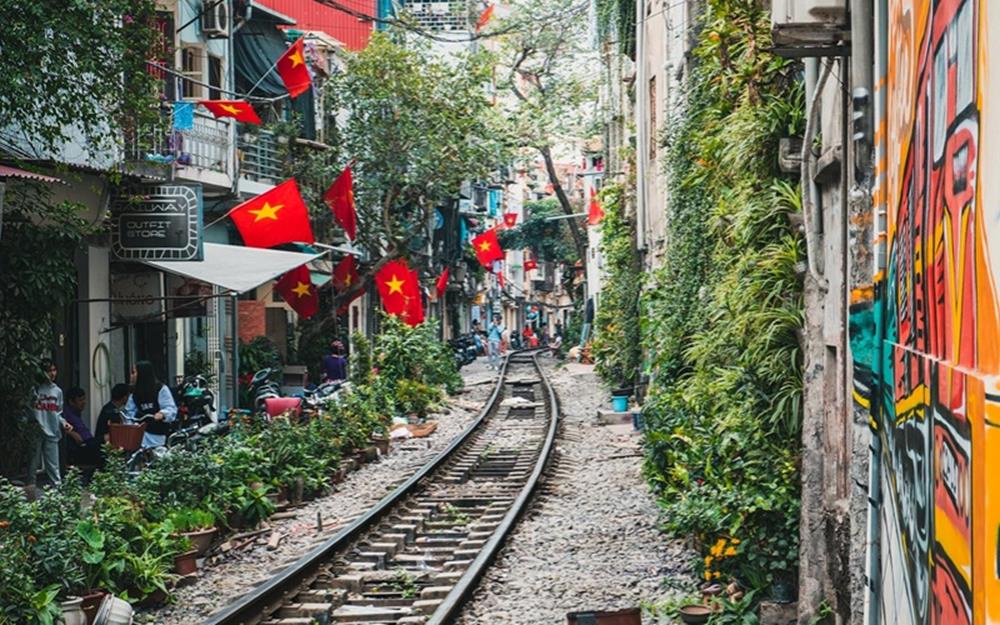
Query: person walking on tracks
[494, 335]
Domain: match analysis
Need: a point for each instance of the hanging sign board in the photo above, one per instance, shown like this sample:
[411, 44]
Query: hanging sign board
[158, 222]
[136, 297]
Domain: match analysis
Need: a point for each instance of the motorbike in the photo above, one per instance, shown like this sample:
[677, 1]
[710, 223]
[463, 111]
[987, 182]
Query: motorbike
[263, 387]
[183, 436]
[196, 402]
[465, 350]
[315, 398]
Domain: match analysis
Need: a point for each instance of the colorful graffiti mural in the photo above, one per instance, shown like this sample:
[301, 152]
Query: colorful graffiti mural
[931, 376]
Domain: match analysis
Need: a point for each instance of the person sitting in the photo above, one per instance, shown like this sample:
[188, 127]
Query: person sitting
[556, 344]
[334, 363]
[84, 448]
[151, 398]
[111, 413]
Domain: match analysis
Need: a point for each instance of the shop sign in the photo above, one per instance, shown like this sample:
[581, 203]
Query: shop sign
[136, 297]
[158, 222]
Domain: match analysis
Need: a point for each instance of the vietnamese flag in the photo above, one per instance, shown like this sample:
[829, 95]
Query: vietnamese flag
[297, 289]
[345, 274]
[442, 282]
[487, 248]
[500, 278]
[484, 18]
[273, 218]
[413, 314]
[530, 264]
[393, 284]
[293, 71]
[595, 214]
[340, 198]
[510, 220]
[240, 110]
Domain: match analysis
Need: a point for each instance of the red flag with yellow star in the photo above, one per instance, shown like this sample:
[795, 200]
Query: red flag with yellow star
[442, 282]
[240, 110]
[595, 213]
[340, 198]
[345, 274]
[293, 71]
[273, 218]
[484, 18]
[413, 315]
[297, 289]
[393, 284]
[509, 220]
[487, 248]
[530, 264]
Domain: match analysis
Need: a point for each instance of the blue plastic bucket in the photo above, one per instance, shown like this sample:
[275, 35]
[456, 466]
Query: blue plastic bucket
[619, 403]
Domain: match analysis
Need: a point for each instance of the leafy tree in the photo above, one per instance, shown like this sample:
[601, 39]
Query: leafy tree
[546, 239]
[548, 69]
[415, 126]
[64, 64]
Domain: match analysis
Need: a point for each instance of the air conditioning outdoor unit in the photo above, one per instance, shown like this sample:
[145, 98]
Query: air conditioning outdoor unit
[810, 27]
[215, 18]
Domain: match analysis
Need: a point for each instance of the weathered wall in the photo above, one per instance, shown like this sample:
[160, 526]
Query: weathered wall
[927, 339]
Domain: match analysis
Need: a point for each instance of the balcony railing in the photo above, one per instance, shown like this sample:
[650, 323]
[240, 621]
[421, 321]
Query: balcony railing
[206, 145]
[260, 159]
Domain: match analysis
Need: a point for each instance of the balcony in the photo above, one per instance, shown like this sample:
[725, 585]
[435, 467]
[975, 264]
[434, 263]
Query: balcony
[204, 154]
[259, 157]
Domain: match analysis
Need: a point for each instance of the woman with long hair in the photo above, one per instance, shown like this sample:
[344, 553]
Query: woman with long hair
[150, 397]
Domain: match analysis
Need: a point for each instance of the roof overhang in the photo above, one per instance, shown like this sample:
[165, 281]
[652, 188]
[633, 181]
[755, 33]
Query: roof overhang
[13, 172]
[235, 268]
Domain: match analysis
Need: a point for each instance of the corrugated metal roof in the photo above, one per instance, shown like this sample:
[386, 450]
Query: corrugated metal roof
[313, 16]
[13, 172]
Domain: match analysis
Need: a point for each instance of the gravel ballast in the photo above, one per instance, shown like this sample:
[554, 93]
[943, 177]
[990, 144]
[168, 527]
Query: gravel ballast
[224, 578]
[590, 541]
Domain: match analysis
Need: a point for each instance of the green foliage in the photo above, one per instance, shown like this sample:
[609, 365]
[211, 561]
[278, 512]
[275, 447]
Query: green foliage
[547, 240]
[64, 65]
[414, 354]
[31, 222]
[415, 397]
[191, 520]
[617, 346]
[616, 24]
[416, 127]
[361, 360]
[722, 316]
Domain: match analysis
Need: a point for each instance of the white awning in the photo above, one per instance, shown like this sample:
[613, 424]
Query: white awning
[234, 267]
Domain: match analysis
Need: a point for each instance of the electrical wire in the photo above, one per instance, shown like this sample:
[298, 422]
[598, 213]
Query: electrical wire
[241, 96]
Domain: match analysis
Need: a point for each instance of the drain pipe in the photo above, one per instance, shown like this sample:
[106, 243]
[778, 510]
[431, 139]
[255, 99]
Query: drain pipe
[809, 192]
[641, 131]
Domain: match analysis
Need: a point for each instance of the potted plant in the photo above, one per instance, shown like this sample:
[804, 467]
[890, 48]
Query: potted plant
[196, 526]
[186, 562]
[72, 611]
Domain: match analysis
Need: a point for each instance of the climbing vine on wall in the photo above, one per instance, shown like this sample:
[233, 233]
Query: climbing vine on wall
[721, 318]
[616, 347]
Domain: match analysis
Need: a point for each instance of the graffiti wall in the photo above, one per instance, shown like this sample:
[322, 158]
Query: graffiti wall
[932, 378]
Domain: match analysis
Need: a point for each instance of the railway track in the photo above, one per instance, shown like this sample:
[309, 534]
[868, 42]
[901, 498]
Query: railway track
[417, 555]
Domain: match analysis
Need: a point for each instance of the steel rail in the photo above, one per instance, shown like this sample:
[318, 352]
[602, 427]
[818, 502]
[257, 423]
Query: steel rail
[259, 602]
[462, 591]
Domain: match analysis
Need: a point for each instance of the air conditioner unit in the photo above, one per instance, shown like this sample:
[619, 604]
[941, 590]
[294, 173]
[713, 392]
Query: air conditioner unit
[810, 27]
[215, 18]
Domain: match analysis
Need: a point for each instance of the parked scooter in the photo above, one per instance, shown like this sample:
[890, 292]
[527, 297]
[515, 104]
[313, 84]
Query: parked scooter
[465, 350]
[196, 402]
[263, 387]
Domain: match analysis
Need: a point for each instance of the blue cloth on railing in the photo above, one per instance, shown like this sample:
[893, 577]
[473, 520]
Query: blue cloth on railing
[183, 115]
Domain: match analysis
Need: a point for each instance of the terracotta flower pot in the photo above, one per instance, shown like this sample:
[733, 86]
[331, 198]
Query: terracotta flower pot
[695, 614]
[382, 444]
[186, 563]
[201, 540]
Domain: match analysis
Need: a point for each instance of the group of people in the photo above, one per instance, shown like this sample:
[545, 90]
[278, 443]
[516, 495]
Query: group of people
[60, 416]
[498, 339]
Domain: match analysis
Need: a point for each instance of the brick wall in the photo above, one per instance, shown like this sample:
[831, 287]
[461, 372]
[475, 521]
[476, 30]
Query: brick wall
[252, 317]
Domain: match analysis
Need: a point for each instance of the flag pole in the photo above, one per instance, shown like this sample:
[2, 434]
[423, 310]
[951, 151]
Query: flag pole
[273, 66]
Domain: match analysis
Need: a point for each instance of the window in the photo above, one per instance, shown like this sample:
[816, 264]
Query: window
[191, 67]
[214, 78]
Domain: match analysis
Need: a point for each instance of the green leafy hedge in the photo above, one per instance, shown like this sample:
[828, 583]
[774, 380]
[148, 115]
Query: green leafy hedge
[616, 347]
[721, 317]
[125, 540]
